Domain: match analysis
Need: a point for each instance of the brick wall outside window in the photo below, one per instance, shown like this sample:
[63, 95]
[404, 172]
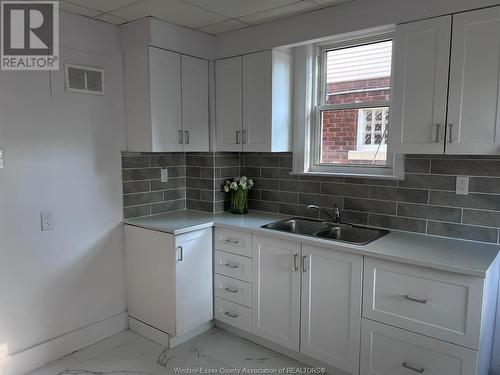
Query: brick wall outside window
[339, 135]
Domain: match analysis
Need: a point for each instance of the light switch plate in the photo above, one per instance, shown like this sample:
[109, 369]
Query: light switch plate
[462, 185]
[48, 222]
[1, 158]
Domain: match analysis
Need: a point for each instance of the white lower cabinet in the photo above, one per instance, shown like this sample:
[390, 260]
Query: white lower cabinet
[276, 291]
[169, 279]
[357, 314]
[386, 350]
[331, 306]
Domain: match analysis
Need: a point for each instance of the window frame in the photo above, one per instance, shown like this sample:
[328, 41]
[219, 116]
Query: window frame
[394, 167]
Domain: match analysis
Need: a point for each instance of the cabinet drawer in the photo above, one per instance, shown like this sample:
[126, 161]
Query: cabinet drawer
[233, 314]
[233, 241]
[233, 265]
[438, 304]
[233, 290]
[386, 350]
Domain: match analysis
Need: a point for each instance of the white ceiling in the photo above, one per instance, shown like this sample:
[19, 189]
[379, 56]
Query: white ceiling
[211, 16]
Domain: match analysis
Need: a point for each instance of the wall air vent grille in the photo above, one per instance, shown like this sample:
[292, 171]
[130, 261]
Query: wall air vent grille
[84, 79]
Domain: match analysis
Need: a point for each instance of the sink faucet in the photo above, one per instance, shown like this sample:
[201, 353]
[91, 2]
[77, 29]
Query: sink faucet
[335, 217]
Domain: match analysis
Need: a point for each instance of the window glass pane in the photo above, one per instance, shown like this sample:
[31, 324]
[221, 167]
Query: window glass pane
[354, 136]
[358, 74]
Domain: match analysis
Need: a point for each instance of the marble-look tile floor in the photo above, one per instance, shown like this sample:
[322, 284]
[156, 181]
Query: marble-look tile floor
[128, 353]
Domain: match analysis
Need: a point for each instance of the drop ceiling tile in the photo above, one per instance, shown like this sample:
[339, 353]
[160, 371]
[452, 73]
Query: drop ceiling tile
[238, 8]
[222, 27]
[175, 11]
[102, 5]
[281, 12]
[78, 10]
[109, 18]
[331, 2]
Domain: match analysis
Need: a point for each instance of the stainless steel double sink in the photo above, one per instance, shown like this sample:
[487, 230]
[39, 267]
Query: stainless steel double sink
[354, 234]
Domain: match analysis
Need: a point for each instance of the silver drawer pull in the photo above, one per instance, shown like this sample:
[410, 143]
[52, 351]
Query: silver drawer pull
[231, 290]
[415, 369]
[231, 315]
[418, 300]
[232, 265]
[232, 241]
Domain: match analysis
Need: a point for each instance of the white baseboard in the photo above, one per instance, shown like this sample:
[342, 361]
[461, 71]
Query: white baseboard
[27, 360]
[163, 338]
[148, 331]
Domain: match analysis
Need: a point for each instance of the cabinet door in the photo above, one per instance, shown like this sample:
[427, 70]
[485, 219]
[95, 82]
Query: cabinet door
[257, 101]
[150, 277]
[195, 103]
[193, 280]
[276, 291]
[420, 83]
[165, 99]
[228, 91]
[473, 109]
[331, 307]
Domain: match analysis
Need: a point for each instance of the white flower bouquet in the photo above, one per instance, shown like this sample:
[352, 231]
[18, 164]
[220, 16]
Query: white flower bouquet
[239, 188]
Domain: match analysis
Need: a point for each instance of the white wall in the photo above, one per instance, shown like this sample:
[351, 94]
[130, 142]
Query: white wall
[353, 16]
[62, 153]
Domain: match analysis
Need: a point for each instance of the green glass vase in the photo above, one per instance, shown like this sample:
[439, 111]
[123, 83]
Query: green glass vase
[239, 201]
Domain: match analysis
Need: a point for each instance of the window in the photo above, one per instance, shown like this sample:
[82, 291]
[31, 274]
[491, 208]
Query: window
[350, 128]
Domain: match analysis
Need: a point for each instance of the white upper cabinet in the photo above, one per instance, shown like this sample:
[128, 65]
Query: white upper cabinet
[253, 105]
[433, 113]
[228, 113]
[165, 100]
[420, 84]
[331, 306]
[166, 97]
[195, 103]
[474, 101]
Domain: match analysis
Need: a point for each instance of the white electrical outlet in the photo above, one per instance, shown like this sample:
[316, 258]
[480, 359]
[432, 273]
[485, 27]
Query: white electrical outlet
[164, 175]
[1, 158]
[48, 222]
[463, 185]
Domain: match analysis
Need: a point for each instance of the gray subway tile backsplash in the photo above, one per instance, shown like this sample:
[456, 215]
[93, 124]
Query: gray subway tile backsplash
[425, 202]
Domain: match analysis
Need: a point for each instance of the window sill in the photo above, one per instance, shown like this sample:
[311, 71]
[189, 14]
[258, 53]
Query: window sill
[355, 175]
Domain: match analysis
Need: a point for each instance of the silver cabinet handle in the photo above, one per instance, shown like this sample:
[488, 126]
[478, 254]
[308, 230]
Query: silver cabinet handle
[230, 314]
[450, 132]
[438, 128]
[180, 257]
[180, 137]
[186, 136]
[413, 299]
[231, 290]
[244, 138]
[238, 137]
[304, 269]
[232, 265]
[420, 370]
[232, 241]
[295, 265]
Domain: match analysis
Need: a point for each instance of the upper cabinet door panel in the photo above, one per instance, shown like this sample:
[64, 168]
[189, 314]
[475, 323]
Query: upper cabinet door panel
[257, 101]
[165, 98]
[473, 107]
[195, 103]
[420, 80]
[228, 98]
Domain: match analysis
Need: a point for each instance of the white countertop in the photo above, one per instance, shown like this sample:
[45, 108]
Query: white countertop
[464, 257]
